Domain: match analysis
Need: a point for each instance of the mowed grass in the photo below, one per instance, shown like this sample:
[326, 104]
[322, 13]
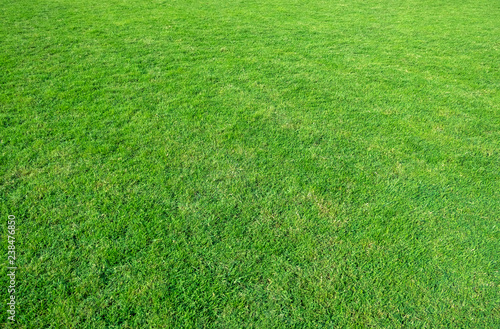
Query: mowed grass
[262, 163]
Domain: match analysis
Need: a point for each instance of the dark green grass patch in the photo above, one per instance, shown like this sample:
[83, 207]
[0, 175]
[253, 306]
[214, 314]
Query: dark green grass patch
[268, 164]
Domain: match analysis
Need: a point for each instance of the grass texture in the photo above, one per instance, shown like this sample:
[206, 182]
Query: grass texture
[251, 164]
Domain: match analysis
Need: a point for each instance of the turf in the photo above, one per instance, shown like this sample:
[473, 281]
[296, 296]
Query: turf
[259, 163]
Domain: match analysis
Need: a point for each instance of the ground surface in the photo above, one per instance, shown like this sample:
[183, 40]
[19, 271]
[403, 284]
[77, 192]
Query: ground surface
[262, 163]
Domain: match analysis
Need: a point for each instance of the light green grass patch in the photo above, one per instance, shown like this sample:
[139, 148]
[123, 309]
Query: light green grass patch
[268, 164]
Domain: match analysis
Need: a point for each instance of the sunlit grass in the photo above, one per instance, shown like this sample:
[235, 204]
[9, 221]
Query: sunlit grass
[269, 164]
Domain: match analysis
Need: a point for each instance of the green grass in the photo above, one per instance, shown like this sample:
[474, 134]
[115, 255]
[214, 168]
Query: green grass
[261, 163]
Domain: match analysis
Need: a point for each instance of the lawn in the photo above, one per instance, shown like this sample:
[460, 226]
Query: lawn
[251, 164]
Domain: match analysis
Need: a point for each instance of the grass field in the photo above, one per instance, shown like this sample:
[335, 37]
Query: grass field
[251, 164]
